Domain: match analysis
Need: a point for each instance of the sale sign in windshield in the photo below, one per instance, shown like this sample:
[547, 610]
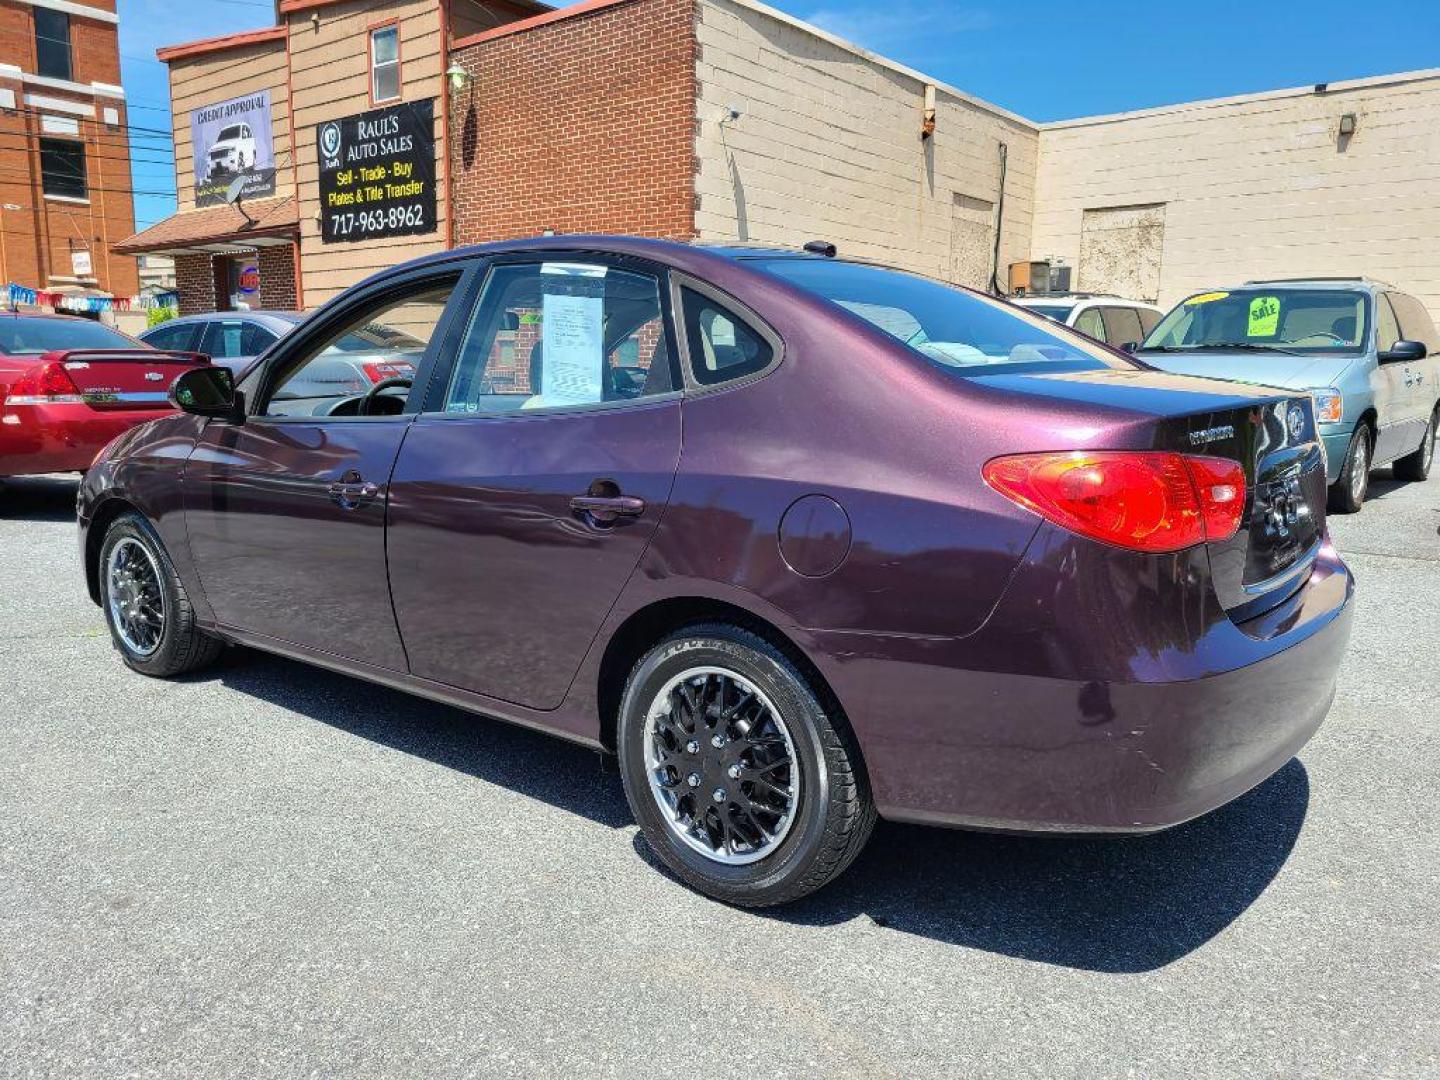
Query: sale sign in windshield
[377, 173]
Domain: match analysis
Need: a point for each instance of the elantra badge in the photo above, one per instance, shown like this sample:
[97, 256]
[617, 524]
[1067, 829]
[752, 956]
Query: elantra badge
[1214, 434]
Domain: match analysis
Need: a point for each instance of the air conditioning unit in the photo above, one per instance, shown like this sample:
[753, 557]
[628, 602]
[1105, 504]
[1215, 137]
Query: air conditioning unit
[1029, 278]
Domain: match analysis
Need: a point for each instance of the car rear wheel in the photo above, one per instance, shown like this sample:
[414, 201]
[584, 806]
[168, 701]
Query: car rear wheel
[1416, 466]
[1347, 494]
[744, 783]
[146, 607]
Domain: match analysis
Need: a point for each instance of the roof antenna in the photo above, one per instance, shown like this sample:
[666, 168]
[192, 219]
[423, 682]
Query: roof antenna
[821, 247]
[232, 197]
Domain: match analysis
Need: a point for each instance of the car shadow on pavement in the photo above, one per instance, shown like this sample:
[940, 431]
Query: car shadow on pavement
[541, 766]
[38, 498]
[1120, 904]
[1110, 904]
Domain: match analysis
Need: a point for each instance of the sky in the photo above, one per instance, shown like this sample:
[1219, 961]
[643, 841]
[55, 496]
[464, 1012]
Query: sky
[1043, 59]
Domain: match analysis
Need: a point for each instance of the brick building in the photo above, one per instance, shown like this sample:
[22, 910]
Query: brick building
[730, 120]
[65, 187]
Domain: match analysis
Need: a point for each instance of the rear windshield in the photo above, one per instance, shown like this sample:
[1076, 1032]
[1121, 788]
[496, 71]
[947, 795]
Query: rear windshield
[373, 337]
[1320, 321]
[958, 330]
[28, 336]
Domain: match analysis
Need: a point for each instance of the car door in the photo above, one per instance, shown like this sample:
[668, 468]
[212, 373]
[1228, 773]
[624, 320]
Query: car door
[286, 512]
[1421, 378]
[531, 483]
[1394, 408]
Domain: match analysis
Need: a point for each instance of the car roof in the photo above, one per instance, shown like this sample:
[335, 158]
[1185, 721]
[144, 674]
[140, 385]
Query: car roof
[250, 315]
[1358, 284]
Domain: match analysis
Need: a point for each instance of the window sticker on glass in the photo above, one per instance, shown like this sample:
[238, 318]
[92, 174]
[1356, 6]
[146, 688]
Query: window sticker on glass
[1206, 298]
[573, 334]
[1264, 317]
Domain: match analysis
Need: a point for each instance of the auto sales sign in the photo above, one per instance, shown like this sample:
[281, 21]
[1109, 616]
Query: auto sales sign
[377, 173]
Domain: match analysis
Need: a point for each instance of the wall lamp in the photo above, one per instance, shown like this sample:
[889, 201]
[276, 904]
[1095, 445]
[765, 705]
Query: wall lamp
[1347, 124]
[457, 75]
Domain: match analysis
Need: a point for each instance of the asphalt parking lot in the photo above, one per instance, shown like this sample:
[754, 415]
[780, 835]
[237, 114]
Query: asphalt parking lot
[271, 870]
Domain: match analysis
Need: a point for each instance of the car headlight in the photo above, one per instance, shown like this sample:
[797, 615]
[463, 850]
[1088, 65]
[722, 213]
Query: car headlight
[1329, 406]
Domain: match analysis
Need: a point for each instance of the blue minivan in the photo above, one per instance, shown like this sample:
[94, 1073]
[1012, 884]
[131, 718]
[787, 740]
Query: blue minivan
[1368, 354]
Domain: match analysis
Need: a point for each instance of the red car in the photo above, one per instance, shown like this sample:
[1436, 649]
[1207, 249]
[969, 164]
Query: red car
[68, 386]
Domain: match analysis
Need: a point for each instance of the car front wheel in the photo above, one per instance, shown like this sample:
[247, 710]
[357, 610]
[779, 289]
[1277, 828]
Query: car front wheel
[146, 607]
[744, 783]
[1347, 494]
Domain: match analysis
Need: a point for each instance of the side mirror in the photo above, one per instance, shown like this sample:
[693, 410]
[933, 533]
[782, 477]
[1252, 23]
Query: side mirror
[210, 392]
[1404, 350]
[1130, 346]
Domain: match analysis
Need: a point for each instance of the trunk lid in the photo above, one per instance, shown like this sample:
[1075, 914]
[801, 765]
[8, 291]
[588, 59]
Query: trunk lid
[1270, 432]
[120, 379]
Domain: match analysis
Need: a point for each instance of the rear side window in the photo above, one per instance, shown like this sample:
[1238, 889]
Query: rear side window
[1415, 321]
[1122, 325]
[180, 336]
[1091, 324]
[723, 346]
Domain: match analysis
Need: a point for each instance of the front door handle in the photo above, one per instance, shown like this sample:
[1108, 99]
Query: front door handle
[604, 509]
[352, 491]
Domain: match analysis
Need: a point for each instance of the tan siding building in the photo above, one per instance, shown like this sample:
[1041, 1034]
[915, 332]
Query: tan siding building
[1264, 185]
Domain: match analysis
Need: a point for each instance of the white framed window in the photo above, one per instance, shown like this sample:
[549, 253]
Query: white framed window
[385, 63]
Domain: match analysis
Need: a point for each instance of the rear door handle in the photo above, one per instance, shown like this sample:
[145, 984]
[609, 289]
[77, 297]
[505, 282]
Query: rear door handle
[606, 508]
[352, 491]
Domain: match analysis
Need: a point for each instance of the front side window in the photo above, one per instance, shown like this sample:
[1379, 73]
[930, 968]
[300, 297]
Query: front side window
[62, 168]
[229, 338]
[1260, 318]
[1415, 321]
[960, 331]
[327, 380]
[385, 63]
[1122, 326]
[1387, 329]
[52, 44]
[560, 335]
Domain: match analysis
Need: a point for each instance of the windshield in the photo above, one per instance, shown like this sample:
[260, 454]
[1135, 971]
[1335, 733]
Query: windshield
[1058, 312]
[1282, 320]
[27, 336]
[956, 329]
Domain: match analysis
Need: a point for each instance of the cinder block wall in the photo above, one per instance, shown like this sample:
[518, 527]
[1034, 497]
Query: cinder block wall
[583, 124]
[828, 146]
[1260, 186]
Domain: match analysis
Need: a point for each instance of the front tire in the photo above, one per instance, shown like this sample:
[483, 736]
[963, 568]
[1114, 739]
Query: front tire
[1416, 466]
[146, 607]
[744, 783]
[1348, 493]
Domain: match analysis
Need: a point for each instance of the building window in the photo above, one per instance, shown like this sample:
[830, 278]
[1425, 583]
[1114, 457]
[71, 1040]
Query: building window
[52, 43]
[62, 168]
[385, 63]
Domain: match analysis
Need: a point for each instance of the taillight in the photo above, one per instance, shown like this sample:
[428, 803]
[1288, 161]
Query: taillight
[380, 370]
[48, 384]
[1146, 500]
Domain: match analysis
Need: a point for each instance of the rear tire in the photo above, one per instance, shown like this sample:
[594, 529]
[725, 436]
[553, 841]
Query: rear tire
[1416, 466]
[1348, 493]
[710, 716]
[146, 607]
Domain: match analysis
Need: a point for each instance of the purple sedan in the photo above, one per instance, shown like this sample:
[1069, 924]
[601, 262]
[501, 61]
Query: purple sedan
[800, 540]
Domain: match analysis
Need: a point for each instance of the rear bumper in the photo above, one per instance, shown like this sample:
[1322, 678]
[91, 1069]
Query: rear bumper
[1188, 726]
[61, 437]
